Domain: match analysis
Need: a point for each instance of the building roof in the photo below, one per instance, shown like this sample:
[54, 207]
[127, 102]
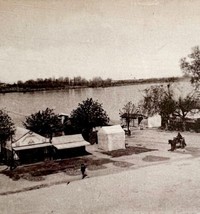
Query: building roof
[111, 129]
[69, 141]
[64, 114]
[20, 132]
[194, 114]
[26, 139]
[71, 145]
[34, 146]
[133, 116]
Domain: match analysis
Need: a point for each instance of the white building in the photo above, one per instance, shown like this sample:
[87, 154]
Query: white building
[111, 138]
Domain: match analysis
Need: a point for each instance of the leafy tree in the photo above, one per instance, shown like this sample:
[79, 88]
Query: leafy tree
[167, 107]
[159, 100]
[127, 113]
[45, 123]
[88, 115]
[184, 106]
[191, 65]
[96, 82]
[7, 128]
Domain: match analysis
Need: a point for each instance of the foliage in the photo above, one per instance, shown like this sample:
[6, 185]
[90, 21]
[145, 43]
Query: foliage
[89, 114]
[184, 106]
[159, 100]
[167, 107]
[191, 65]
[127, 113]
[55, 83]
[197, 125]
[99, 82]
[45, 123]
[66, 82]
[68, 128]
[7, 128]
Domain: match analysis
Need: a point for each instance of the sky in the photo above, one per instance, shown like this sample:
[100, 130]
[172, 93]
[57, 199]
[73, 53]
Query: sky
[118, 39]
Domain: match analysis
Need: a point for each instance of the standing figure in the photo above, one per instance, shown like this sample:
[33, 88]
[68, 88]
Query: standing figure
[14, 161]
[83, 168]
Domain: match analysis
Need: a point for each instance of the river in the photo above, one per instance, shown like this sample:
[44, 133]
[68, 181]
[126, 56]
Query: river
[20, 105]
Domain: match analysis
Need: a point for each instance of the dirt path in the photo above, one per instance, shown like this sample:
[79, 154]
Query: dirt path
[164, 188]
[150, 139]
[148, 169]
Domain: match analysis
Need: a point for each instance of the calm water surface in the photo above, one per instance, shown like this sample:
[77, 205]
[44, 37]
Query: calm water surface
[113, 98]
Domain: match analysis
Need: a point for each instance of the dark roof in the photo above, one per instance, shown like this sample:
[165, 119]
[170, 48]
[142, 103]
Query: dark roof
[133, 116]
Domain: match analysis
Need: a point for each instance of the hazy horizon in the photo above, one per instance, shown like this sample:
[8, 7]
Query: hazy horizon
[117, 39]
[35, 79]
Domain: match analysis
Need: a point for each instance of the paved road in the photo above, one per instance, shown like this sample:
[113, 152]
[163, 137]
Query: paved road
[172, 187]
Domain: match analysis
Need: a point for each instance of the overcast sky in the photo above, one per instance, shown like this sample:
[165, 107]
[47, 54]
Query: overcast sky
[119, 39]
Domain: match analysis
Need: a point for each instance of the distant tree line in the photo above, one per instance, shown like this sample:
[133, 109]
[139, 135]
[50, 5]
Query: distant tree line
[54, 83]
[76, 82]
[149, 80]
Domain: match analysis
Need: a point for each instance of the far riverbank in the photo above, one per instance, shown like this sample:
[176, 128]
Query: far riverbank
[56, 85]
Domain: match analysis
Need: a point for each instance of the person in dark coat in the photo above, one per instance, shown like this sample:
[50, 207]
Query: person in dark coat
[180, 139]
[83, 169]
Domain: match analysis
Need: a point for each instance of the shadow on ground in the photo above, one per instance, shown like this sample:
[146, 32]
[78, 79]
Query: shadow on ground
[151, 158]
[128, 151]
[71, 166]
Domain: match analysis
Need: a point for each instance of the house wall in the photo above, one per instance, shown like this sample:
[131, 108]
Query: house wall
[34, 155]
[67, 153]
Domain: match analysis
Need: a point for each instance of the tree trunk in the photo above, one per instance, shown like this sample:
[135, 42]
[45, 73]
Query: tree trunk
[128, 127]
[164, 123]
[1, 158]
[184, 125]
[166, 126]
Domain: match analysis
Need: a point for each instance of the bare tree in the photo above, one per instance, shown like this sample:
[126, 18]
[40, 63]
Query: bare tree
[127, 113]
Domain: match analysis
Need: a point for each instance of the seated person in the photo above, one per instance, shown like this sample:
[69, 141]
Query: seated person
[180, 140]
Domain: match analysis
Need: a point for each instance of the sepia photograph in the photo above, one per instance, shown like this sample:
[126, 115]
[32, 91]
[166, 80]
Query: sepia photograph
[99, 106]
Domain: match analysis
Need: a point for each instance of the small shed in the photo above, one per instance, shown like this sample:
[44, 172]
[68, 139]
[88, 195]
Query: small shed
[69, 145]
[111, 138]
[136, 119]
[154, 121]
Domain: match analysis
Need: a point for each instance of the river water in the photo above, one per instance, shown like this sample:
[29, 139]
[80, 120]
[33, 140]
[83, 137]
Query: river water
[20, 105]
